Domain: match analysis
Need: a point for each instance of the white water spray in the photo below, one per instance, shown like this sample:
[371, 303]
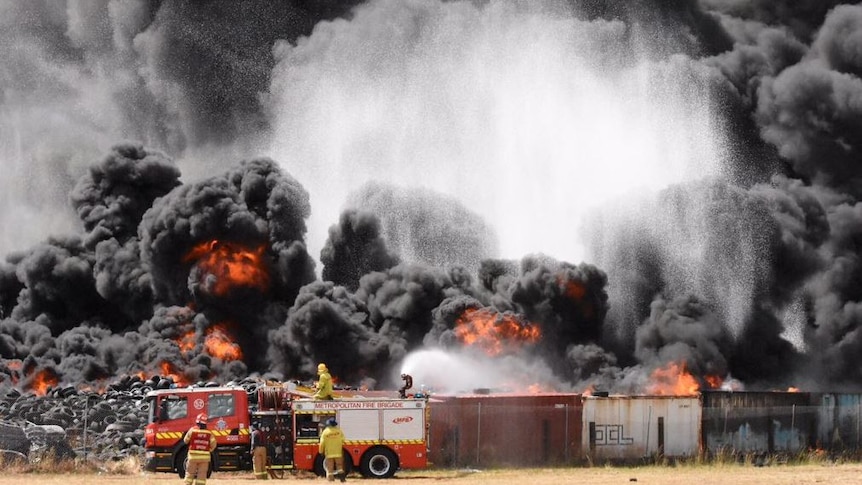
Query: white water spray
[529, 118]
[454, 372]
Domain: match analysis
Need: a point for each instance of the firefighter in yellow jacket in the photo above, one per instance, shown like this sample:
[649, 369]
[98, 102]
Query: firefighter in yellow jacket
[201, 444]
[331, 444]
[324, 383]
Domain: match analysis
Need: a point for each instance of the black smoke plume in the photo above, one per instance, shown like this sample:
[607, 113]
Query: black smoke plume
[186, 253]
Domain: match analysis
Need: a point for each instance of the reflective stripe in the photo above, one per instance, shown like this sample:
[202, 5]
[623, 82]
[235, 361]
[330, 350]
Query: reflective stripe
[316, 441]
[216, 432]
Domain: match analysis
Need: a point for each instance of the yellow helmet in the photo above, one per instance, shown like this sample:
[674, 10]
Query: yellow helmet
[321, 368]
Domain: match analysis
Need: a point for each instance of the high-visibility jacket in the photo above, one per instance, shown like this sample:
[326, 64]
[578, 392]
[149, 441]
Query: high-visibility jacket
[324, 386]
[201, 443]
[331, 442]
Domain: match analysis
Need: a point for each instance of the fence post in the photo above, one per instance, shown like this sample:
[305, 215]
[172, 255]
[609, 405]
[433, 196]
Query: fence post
[566, 453]
[478, 433]
[86, 416]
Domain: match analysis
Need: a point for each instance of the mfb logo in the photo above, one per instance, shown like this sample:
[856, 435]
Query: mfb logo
[402, 419]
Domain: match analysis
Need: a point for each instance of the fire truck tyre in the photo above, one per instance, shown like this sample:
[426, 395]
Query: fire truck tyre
[180, 462]
[318, 466]
[321, 472]
[348, 462]
[379, 462]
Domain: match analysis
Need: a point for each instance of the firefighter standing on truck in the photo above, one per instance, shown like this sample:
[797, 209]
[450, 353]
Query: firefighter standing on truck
[258, 452]
[324, 383]
[331, 444]
[201, 444]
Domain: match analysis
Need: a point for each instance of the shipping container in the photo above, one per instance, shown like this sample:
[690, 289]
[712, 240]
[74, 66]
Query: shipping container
[505, 430]
[839, 422]
[765, 422]
[631, 428]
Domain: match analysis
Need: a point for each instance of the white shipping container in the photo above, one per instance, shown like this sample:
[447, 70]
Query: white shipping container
[627, 428]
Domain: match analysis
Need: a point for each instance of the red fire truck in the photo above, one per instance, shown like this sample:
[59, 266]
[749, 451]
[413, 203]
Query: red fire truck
[382, 435]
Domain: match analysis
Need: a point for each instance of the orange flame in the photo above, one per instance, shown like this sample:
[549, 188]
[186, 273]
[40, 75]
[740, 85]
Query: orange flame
[186, 342]
[14, 366]
[169, 370]
[536, 388]
[218, 343]
[792, 389]
[713, 382]
[574, 290]
[232, 265]
[672, 380]
[492, 331]
[43, 380]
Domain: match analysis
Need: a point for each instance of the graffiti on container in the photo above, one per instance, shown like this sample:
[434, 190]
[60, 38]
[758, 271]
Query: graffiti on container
[612, 434]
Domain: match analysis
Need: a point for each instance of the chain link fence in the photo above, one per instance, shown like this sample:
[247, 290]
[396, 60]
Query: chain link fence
[67, 424]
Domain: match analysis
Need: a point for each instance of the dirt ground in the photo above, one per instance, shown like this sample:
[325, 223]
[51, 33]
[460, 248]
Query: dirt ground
[658, 475]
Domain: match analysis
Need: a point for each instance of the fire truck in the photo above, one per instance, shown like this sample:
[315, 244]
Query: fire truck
[382, 435]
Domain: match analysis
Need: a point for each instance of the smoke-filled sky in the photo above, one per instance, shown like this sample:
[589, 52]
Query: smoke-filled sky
[574, 194]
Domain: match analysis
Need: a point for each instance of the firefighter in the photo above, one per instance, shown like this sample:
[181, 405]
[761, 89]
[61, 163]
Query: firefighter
[324, 383]
[201, 444]
[258, 452]
[331, 444]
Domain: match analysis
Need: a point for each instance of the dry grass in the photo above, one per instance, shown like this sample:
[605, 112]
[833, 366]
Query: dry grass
[689, 473]
[50, 466]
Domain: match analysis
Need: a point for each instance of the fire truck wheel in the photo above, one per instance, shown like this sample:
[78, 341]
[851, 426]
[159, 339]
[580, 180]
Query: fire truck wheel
[379, 462]
[180, 462]
[321, 472]
[348, 462]
[318, 466]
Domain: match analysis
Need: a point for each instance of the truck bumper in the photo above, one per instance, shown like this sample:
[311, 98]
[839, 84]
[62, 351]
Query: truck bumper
[159, 461]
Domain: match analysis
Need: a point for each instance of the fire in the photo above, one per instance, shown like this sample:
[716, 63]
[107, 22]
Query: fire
[43, 380]
[218, 343]
[792, 389]
[232, 265]
[494, 332]
[186, 342]
[537, 388]
[14, 366]
[575, 290]
[672, 380]
[714, 382]
[169, 370]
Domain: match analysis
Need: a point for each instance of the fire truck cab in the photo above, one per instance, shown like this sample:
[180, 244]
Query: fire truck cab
[382, 435]
[172, 413]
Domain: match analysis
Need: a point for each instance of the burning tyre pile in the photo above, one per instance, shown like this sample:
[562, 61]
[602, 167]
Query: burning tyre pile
[67, 423]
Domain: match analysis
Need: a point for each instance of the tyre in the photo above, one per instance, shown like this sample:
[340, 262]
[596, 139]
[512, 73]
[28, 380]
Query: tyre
[320, 471]
[348, 463]
[180, 462]
[182, 459]
[318, 466]
[379, 462]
